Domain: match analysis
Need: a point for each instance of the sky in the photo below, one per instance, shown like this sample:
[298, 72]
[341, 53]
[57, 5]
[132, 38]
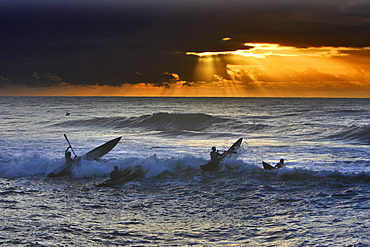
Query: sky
[210, 48]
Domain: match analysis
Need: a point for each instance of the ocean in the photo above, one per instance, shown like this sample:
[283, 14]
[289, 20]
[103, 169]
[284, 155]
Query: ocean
[321, 197]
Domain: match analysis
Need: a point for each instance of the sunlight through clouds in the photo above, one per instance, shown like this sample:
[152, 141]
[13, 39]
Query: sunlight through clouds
[276, 70]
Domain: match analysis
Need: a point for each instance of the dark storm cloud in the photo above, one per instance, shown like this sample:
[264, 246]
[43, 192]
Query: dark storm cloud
[115, 42]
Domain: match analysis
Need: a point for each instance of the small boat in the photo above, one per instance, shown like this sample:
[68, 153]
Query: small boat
[94, 154]
[126, 177]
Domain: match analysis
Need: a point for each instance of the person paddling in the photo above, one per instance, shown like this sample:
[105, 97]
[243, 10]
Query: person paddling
[68, 156]
[215, 156]
[280, 164]
[116, 174]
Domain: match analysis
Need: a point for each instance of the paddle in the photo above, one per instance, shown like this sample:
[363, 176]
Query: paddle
[65, 136]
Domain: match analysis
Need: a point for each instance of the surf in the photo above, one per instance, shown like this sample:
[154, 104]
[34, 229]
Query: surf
[157, 169]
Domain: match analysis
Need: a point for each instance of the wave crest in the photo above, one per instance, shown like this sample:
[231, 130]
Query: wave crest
[360, 134]
[157, 122]
[168, 121]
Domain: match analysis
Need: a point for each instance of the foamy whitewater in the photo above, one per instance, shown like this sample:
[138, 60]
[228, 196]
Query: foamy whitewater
[321, 197]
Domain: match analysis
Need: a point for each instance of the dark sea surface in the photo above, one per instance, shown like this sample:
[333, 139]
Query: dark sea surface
[321, 197]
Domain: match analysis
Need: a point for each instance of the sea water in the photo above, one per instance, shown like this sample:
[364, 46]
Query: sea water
[321, 197]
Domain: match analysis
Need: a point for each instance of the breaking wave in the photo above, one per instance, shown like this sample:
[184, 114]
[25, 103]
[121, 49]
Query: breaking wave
[172, 169]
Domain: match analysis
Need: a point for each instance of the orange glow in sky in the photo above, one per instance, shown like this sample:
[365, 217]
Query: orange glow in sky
[259, 70]
[264, 69]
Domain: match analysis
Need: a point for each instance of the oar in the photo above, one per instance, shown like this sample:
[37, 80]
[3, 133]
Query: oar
[65, 136]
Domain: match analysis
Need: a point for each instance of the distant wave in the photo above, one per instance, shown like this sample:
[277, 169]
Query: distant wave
[345, 111]
[156, 121]
[169, 123]
[360, 134]
[94, 122]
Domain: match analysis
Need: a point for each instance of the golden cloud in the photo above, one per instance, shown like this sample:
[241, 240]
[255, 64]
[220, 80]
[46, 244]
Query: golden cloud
[263, 50]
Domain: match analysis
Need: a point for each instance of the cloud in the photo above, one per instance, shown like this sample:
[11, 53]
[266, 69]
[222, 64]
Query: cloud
[273, 69]
[107, 44]
[263, 50]
[277, 70]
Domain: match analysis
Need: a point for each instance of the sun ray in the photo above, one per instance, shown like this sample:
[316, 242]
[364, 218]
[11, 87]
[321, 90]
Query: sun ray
[271, 69]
